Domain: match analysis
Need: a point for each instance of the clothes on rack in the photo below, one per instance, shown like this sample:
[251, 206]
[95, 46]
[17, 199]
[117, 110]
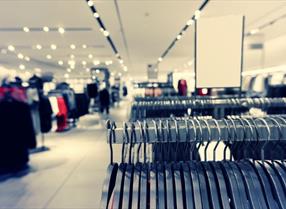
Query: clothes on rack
[17, 131]
[215, 107]
[182, 87]
[82, 102]
[92, 90]
[45, 110]
[62, 116]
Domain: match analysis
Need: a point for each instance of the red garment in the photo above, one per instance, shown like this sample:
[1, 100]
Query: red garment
[16, 93]
[182, 87]
[62, 116]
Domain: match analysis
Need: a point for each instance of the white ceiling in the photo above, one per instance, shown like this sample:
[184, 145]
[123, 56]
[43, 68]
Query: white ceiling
[148, 27]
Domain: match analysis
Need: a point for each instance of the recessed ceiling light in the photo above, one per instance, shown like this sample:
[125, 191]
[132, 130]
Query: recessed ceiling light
[160, 59]
[61, 30]
[96, 62]
[106, 33]
[39, 47]
[72, 46]
[26, 29]
[69, 70]
[125, 69]
[66, 75]
[72, 56]
[27, 58]
[90, 56]
[84, 46]
[22, 67]
[46, 29]
[190, 22]
[20, 56]
[90, 3]
[83, 62]
[49, 57]
[71, 62]
[87, 70]
[53, 47]
[60, 62]
[197, 14]
[121, 61]
[179, 37]
[96, 15]
[11, 48]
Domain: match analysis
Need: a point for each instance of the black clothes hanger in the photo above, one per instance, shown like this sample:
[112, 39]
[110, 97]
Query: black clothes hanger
[187, 187]
[161, 184]
[196, 185]
[255, 185]
[267, 189]
[203, 186]
[136, 186]
[153, 186]
[169, 186]
[178, 191]
[275, 184]
[144, 187]
[231, 185]
[221, 185]
[212, 186]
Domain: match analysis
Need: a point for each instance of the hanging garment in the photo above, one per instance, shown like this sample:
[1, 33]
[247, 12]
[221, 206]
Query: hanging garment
[182, 87]
[17, 134]
[45, 111]
[125, 91]
[92, 90]
[82, 102]
[62, 116]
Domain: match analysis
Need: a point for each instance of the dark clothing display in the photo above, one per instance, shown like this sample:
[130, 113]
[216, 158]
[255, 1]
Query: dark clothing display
[82, 103]
[17, 134]
[125, 91]
[92, 90]
[104, 98]
[45, 110]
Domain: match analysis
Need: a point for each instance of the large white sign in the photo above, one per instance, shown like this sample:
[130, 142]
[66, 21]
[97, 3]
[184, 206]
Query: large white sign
[219, 43]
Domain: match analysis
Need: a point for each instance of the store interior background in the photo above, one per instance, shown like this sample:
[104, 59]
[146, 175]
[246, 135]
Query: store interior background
[70, 173]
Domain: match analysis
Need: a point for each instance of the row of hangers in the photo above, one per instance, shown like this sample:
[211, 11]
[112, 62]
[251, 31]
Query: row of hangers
[199, 130]
[200, 185]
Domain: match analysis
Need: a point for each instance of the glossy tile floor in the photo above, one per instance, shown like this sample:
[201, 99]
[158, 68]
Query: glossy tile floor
[70, 175]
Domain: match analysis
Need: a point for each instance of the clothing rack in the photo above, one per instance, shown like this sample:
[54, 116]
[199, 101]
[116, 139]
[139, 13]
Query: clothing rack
[239, 129]
[196, 183]
[217, 107]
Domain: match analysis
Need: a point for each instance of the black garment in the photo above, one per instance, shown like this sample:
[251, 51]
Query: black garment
[82, 102]
[17, 134]
[45, 110]
[125, 91]
[92, 90]
[104, 100]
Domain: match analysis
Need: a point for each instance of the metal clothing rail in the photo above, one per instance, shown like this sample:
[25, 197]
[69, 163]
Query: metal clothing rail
[199, 130]
[210, 103]
[217, 107]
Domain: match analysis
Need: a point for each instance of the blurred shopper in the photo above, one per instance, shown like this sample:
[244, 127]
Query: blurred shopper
[104, 99]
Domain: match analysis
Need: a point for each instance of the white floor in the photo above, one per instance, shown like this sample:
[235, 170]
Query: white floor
[71, 174]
